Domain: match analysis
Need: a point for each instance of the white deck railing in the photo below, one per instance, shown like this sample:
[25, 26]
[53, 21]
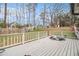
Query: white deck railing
[76, 32]
[8, 40]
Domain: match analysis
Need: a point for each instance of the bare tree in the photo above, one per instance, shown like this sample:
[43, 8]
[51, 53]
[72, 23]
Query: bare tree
[51, 14]
[29, 10]
[34, 9]
[5, 14]
[58, 11]
[43, 15]
[0, 7]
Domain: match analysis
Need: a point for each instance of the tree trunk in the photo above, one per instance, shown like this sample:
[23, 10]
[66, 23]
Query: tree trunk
[29, 14]
[34, 15]
[5, 14]
[44, 15]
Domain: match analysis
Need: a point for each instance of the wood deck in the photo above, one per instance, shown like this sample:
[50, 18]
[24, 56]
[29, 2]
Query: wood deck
[45, 47]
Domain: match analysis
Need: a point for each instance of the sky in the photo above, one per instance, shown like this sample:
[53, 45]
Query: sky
[39, 8]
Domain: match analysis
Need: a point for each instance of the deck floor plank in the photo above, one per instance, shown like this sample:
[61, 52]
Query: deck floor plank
[72, 47]
[60, 49]
[66, 49]
[45, 47]
[46, 51]
[75, 49]
[69, 48]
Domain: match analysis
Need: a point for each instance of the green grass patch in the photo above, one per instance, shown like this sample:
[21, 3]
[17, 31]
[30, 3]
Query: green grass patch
[67, 34]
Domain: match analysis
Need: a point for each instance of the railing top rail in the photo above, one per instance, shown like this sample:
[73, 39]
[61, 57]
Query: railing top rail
[17, 33]
[10, 34]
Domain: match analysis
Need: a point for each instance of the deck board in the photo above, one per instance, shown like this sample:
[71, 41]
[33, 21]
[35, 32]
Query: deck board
[72, 49]
[69, 49]
[65, 50]
[77, 44]
[45, 47]
[75, 49]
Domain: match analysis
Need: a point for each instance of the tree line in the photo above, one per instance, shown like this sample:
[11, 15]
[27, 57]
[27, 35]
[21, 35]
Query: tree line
[52, 15]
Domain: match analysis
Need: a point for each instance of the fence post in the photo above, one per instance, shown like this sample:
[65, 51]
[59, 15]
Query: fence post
[38, 35]
[23, 38]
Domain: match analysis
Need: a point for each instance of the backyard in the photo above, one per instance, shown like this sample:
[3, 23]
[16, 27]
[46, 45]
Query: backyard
[37, 43]
[31, 25]
[17, 38]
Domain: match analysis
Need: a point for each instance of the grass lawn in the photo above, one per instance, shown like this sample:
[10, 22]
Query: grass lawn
[67, 34]
[66, 31]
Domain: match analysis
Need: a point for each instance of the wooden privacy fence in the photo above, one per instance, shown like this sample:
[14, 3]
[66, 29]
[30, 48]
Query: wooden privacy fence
[8, 40]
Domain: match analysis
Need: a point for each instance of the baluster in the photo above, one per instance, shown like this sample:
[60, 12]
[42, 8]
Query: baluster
[17, 38]
[23, 38]
[38, 36]
[11, 39]
[3, 40]
[14, 39]
[1, 43]
[28, 36]
[7, 40]
[35, 35]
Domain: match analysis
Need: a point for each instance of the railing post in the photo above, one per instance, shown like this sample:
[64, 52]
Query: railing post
[11, 40]
[47, 32]
[7, 40]
[17, 39]
[38, 35]
[23, 38]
